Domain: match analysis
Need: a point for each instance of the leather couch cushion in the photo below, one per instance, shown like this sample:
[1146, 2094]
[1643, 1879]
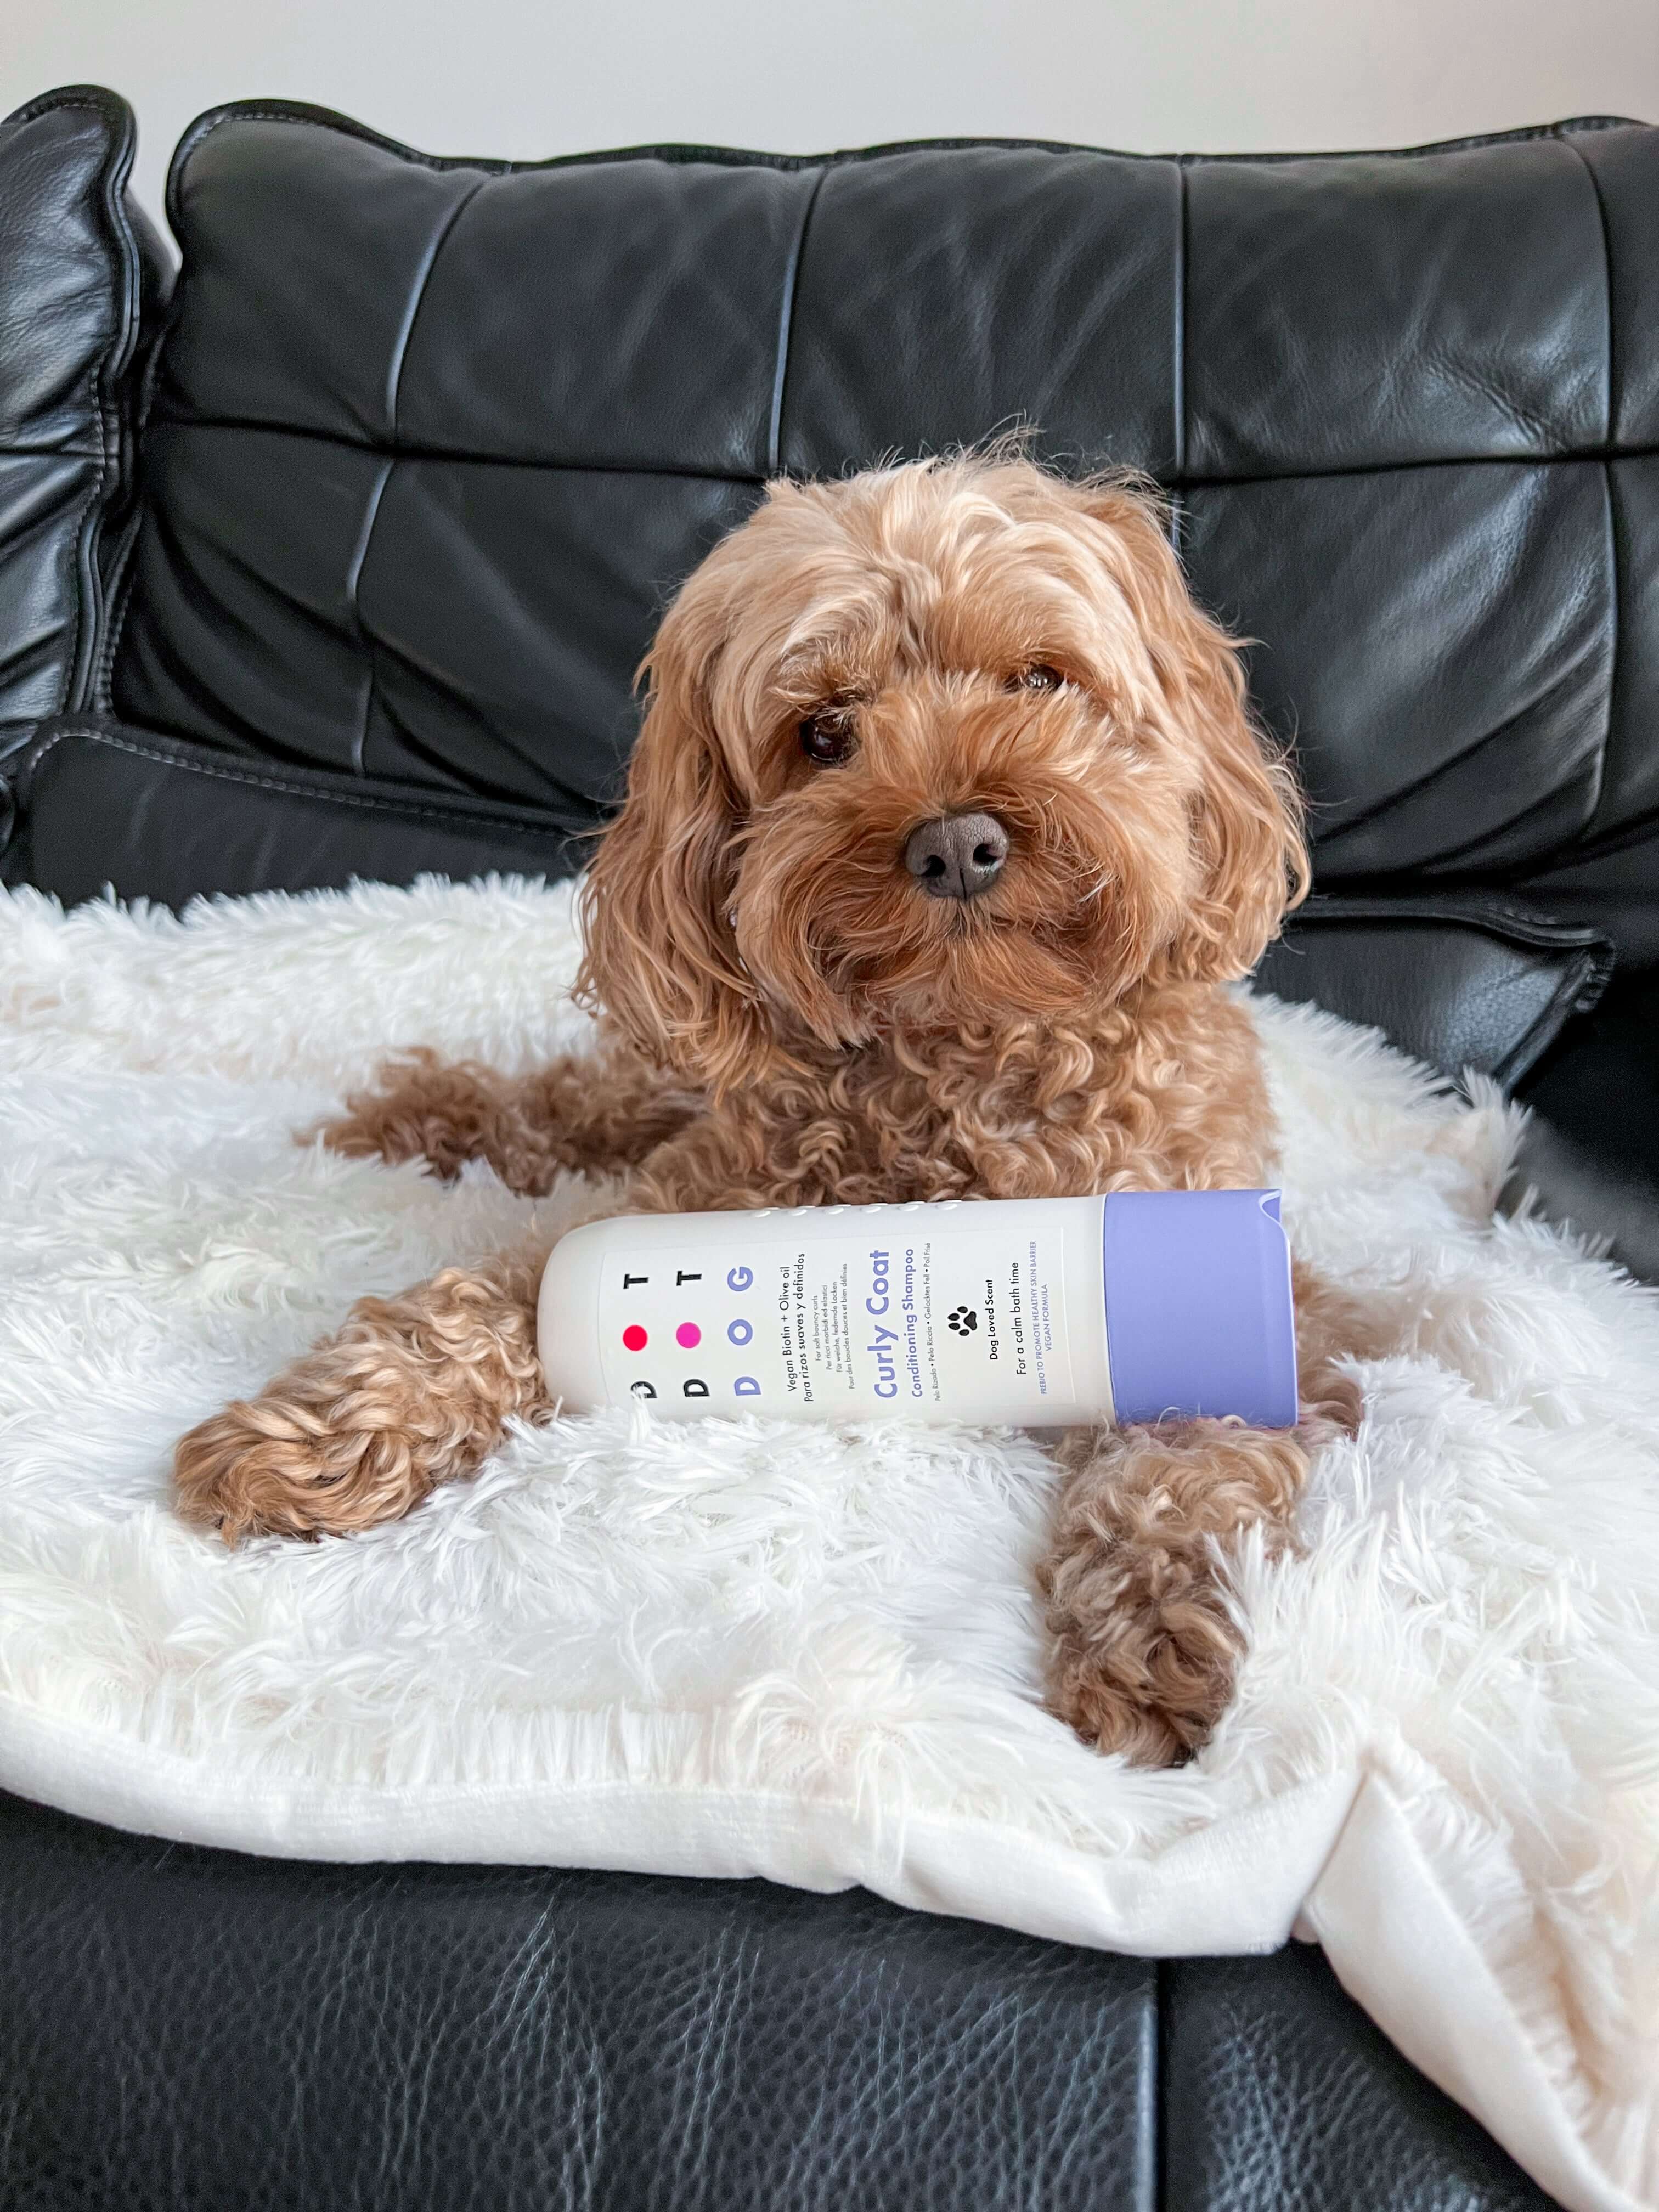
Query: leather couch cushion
[433, 442]
[517, 2037]
[1278, 2092]
[945, 292]
[78, 271]
[1387, 309]
[181, 2026]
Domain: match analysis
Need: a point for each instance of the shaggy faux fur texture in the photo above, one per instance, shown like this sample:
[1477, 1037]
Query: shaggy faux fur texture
[729, 1647]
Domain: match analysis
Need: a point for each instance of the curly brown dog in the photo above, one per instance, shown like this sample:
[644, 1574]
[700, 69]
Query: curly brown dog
[945, 827]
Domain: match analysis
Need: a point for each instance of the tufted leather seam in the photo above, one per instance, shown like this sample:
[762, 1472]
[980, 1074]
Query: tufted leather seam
[408, 811]
[1614, 611]
[83, 569]
[1180, 405]
[441, 238]
[122, 581]
[394, 387]
[354, 577]
[1606, 267]
[120, 599]
[786, 325]
[1614, 629]
[1611, 841]
[1448, 862]
[1572, 457]
[1459, 759]
[1576, 458]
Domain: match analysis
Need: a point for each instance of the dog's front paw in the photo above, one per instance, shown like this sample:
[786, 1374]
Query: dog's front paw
[412, 1392]
[271, 1466]
[1145, 1645]
[1143, 1660]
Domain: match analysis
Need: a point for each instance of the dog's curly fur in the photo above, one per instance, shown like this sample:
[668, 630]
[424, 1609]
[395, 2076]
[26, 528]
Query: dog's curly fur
[785, 1019]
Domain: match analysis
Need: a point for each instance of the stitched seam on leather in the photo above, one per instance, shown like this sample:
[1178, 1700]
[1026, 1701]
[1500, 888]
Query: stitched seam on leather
[26, 783]
[365, 801]
[38, 453]
[1489, 915]
[106, 380]
[786, 325]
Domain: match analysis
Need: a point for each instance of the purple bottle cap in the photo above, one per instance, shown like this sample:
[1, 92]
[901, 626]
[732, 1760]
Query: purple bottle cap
[1198, 1314]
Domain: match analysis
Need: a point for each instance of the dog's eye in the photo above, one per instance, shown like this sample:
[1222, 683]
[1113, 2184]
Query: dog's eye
[828, 735]
[1038, 678]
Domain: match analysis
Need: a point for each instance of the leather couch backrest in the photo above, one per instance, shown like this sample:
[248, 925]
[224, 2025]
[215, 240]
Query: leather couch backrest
[434, 441]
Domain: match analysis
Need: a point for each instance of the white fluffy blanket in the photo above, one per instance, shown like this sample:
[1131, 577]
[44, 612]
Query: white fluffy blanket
[732, 1649]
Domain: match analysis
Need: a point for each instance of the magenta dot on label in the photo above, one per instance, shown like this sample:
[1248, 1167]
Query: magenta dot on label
[635, 1337]
[689, 1335]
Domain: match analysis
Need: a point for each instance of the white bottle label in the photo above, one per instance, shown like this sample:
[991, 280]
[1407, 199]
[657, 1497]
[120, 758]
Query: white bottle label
[927, 1311]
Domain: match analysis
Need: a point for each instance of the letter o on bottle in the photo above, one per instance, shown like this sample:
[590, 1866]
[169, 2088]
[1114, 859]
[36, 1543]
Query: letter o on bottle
[738, 1330]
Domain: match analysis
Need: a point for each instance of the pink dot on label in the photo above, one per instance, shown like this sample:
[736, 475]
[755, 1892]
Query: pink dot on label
[635, 1337]
[689, 1335]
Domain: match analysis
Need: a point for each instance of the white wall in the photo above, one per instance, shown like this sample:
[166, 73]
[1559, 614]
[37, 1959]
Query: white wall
[526, 77]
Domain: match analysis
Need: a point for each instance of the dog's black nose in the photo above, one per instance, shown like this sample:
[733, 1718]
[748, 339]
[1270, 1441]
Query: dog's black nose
[958, 856]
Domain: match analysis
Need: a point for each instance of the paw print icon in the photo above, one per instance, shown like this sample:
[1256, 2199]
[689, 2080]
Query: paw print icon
[964, 1320]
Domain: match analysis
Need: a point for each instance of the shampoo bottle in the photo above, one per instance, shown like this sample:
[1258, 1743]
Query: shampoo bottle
[1036, 1312]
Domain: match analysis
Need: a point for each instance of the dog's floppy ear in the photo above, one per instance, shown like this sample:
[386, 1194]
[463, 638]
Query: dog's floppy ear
[1247, 814]
[659, 955]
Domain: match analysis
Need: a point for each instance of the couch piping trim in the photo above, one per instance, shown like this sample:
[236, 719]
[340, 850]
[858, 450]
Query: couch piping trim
[315, 118]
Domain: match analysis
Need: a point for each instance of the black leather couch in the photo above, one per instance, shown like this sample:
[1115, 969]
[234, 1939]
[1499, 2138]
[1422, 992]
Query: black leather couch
[340, 564]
